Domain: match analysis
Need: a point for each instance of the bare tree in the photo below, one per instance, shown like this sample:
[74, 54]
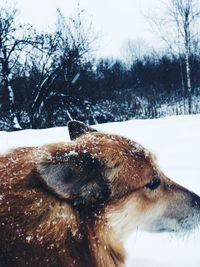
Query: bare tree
[135, 50]
[178, 28]
[14, 44]
[67, 47]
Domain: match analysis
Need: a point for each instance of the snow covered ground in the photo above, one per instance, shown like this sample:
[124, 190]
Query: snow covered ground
[176, 142]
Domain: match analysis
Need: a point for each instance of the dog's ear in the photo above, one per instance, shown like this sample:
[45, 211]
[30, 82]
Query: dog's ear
[78, 180]
[77, 128]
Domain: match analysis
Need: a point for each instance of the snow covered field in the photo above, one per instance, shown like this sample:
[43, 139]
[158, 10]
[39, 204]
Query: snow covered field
[176, 142]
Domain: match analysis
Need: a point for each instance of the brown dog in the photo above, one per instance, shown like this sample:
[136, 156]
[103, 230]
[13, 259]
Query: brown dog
[72, 204]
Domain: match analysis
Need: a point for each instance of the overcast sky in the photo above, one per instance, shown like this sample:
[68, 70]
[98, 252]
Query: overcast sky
[116, 21]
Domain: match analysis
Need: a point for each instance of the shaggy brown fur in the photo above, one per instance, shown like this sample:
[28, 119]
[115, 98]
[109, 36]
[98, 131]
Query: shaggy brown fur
[71, 204]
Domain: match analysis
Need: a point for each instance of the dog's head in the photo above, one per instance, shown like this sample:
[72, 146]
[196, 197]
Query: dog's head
[111, 173]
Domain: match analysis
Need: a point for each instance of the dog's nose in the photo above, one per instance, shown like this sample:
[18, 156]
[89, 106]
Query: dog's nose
[195, 201]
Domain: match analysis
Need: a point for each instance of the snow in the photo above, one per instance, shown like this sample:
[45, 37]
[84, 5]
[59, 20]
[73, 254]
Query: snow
[16, 123]
[11, 94]
[28, 138]
[176, 143]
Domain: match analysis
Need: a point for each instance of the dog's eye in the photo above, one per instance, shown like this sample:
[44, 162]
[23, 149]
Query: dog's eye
[153, 184]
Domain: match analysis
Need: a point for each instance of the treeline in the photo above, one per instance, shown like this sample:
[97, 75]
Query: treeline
[48, 78]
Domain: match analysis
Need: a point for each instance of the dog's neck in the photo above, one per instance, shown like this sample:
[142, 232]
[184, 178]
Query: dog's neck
[106, 249]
